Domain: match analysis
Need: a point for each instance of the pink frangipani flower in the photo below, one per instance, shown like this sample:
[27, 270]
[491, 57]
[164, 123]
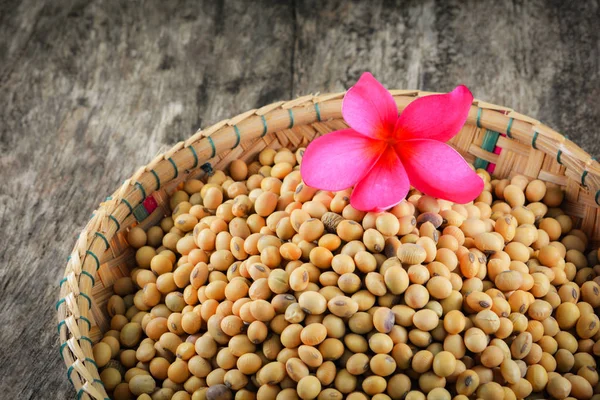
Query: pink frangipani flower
[383, 154]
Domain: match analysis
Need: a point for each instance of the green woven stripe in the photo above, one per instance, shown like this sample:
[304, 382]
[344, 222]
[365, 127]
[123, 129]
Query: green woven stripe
[60, 325]
[598, 197]
[237, 134]
[584, 175]
[87, 321]
[195, 157]
[80, 391]
[104, 239]
[139, 186]
[318, 111]
[207, 168]
[212, 145]
[489, 140]
[535, 136]
[489, 144]
[115, 221]
[481, 163]
[95, 258]
[140, 213]
[291, 119]
[174, 167]
[509, 127]
[264, 121]
[63, 280]
[157, 179]
[62, 347]
[69, 371]
[92, 361]
[128, 205]
[85, 296]
[479, 117]
[58, 303]
[89, 276]
[559, 153]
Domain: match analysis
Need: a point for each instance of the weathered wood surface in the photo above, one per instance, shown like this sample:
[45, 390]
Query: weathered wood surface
[91, 90]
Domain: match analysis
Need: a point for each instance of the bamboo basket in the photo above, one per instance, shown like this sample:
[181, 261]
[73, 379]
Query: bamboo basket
[496, 135]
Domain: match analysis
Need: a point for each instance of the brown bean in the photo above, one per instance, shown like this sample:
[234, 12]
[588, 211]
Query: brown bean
[312, 303]
[521, 346]
[396, 279]
[559, 387]
[580, 387]
[310, 356]
[467, 383]
[342, 306]
[478, 301]
[383, 319]
[510, 371]
[296, 369]
[425, 320]
[475, 340]
[508, 280]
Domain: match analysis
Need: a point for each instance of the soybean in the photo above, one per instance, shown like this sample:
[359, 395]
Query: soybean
[260, 286]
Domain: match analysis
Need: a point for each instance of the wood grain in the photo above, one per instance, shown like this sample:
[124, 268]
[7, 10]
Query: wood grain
[91, 90]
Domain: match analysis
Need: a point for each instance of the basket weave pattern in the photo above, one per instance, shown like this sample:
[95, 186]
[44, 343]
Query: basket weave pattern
[509, 142]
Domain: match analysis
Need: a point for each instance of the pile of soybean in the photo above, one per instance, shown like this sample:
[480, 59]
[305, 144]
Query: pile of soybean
[260, 287]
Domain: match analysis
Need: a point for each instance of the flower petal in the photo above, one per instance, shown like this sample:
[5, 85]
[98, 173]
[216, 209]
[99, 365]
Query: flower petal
[370, 109]
[438, 116]
[384, 186]
[337, 161]
[438, 170]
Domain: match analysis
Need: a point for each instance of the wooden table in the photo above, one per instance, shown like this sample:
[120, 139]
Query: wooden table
[91, 90]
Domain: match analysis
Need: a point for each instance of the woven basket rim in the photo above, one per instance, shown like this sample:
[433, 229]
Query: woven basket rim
[186, 157]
